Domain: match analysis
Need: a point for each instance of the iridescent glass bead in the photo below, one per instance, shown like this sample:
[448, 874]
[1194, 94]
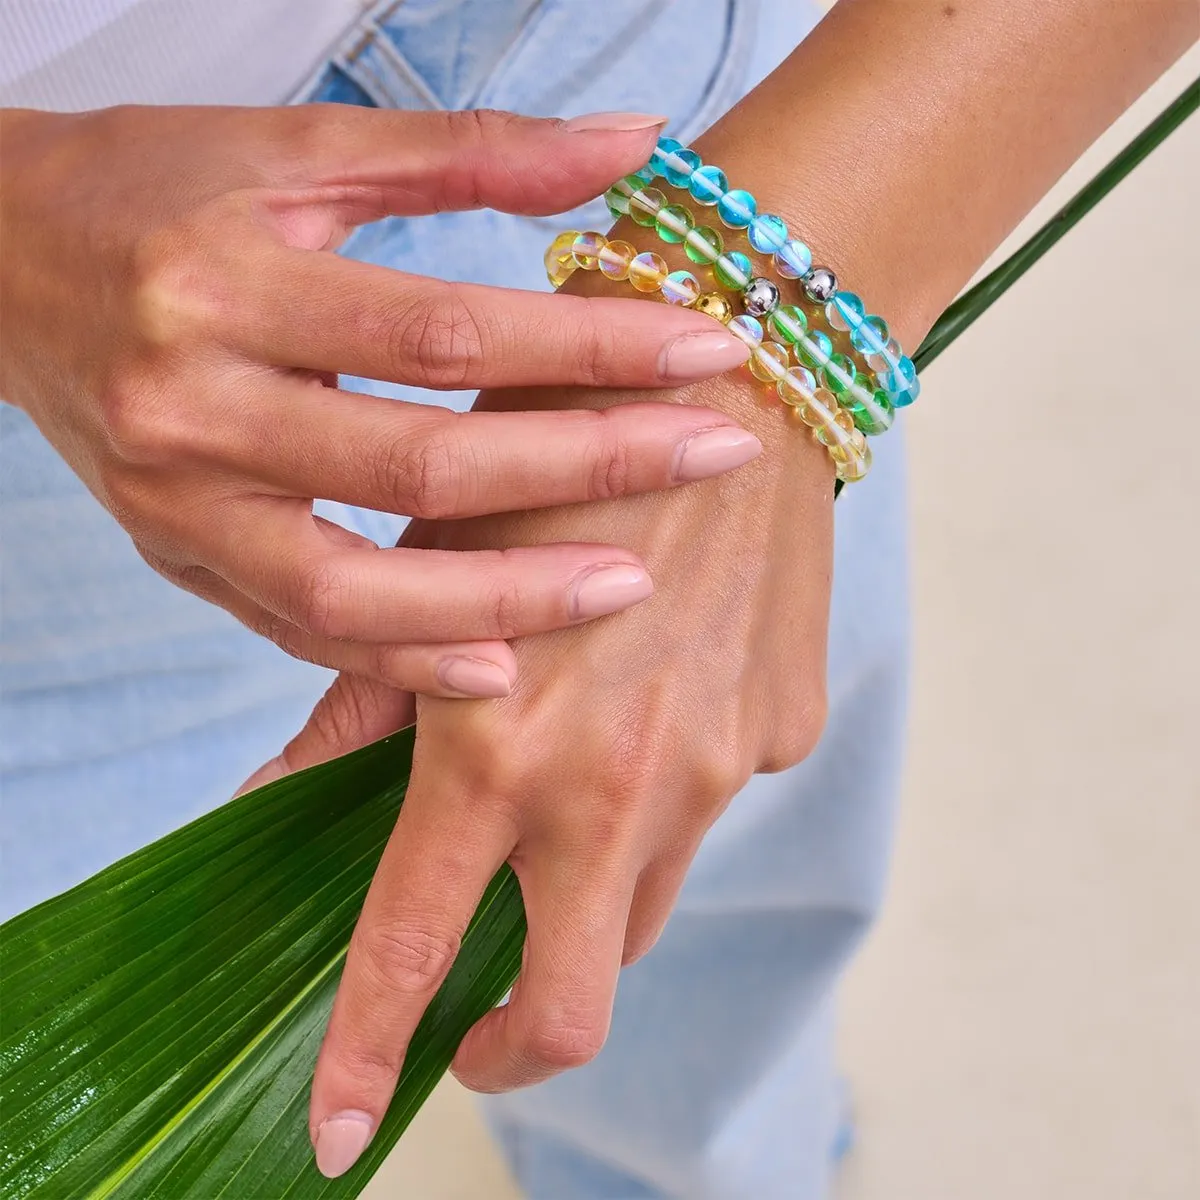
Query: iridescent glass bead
[663, 149]
[814, 349]
[767, 233]
[850, 462]
[704, 245]
[673, 223]
[907, 396]
[677, 168]
[586, 250]
[789, 323]
[708, 185]
[870, 336]
[746, 329]
[796, 386]
[681, 287]
[644, 205]
[714, 305]
[737, 208]
[883, 360]
[845, 312]
[817, 411]
[871, 409]
[769, 362]
[793, 260]
[560, 264]
[647, 271]
[615, 259]
[901, 377]
[839, 374]
[733, 269]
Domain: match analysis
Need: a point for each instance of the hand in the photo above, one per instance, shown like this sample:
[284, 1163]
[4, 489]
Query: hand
[596, 779]
[174, 323]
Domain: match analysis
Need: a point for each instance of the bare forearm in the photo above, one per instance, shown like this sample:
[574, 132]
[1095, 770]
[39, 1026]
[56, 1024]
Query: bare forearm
[905, 138]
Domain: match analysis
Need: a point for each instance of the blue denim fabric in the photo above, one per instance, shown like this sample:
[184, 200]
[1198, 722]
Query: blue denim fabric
[129, 707]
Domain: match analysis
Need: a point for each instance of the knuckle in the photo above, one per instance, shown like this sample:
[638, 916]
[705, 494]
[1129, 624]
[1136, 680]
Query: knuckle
[560, 1043]
[437, 339]
[718, 776]
[599, 347]
[423, 476]
[799, 739]
[613, 469]
[174, 293]
[320, 603]
[407, 958]
[638, 946]
[504, 608]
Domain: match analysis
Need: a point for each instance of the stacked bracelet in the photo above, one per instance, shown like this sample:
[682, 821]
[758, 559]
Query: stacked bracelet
[682, 168]
[829, 414]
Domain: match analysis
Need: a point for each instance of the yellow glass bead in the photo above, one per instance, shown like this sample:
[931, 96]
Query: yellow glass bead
[647, 271]
[817, 411]
[769, 361]
[851, 465]
[586, 250]
[796, 386]
[845, 420]
[681, 287]
[560, 266]
[714, 305]
[615, 259]
[831, 434]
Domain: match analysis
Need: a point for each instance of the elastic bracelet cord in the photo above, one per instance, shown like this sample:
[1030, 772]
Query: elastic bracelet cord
[768, 234]
[830, 416]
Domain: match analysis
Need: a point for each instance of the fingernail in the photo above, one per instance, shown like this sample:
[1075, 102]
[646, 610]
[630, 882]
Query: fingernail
[714, 451]
[474, 677]
[700, 356]
[608, 590]
[340, 1141]
[616, 122]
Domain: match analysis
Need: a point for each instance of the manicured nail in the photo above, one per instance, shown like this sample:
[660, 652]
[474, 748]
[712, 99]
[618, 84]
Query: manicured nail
[340, 1141]
[700, 356]
[606, 590]
[712, 452]
[615, 122]
[473, 677]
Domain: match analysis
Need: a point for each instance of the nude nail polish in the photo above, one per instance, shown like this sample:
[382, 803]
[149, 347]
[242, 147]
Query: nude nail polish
[613, 122]
[606, 590]
[341, 1140]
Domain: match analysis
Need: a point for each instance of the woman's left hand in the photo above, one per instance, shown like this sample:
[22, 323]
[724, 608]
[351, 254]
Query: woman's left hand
[595, 779]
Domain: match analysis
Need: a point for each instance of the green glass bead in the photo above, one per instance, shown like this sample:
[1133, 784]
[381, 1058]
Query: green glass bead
[733, 270]
[839, 374]
[872, 410]
[814, 349]
[644, 205]
[704, 245]
[789, 323]
[674, 223]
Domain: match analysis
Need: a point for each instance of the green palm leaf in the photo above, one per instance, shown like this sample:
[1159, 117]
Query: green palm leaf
[160, 1022]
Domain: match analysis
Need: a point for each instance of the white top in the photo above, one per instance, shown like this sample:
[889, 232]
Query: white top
[81, 54]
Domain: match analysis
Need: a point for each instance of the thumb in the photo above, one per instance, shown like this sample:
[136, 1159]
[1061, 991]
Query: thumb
[353, 713]
[405, 163]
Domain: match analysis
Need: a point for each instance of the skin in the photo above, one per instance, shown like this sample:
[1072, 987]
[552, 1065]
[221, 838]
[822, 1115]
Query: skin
[920, 148]
[195, 393]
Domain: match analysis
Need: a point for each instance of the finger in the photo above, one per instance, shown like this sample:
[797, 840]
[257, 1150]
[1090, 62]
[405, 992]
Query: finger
[454, 670]
[353, 713]
[428, 884]
[277, 555]
[428, 461]
[559, 1013]
[376, 162]
[654, 898]
[320, 312]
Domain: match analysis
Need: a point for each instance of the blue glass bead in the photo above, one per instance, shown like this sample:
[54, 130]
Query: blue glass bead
[679, 167]
[737, 208]
[814, 349]
[733, 269]
[900, 378]
[746, 329]
[708, 185]
[665, 147]
[845, 311]
[793, 260]
[871, 337]
[645, 174]
[767, 233]
[905, 398]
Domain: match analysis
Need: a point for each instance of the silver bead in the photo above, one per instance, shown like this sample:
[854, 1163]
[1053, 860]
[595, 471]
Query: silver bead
[820, 285]
[760, 297]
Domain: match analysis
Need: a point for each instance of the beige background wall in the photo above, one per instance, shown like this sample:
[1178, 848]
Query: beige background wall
[1025, 1023]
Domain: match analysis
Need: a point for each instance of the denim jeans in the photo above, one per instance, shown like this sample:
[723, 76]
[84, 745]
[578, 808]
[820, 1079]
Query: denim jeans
[129, 707]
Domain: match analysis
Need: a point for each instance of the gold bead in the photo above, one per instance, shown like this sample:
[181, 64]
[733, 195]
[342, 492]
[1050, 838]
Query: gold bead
[714, 305]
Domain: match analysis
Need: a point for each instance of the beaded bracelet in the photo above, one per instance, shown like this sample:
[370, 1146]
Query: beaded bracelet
[767, 233]
[833, 423]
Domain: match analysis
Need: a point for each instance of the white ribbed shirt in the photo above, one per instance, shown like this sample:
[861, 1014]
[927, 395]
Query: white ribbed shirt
[81, 54]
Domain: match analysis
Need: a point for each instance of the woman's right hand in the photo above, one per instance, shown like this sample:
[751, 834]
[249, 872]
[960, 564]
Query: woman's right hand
[174, 321]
